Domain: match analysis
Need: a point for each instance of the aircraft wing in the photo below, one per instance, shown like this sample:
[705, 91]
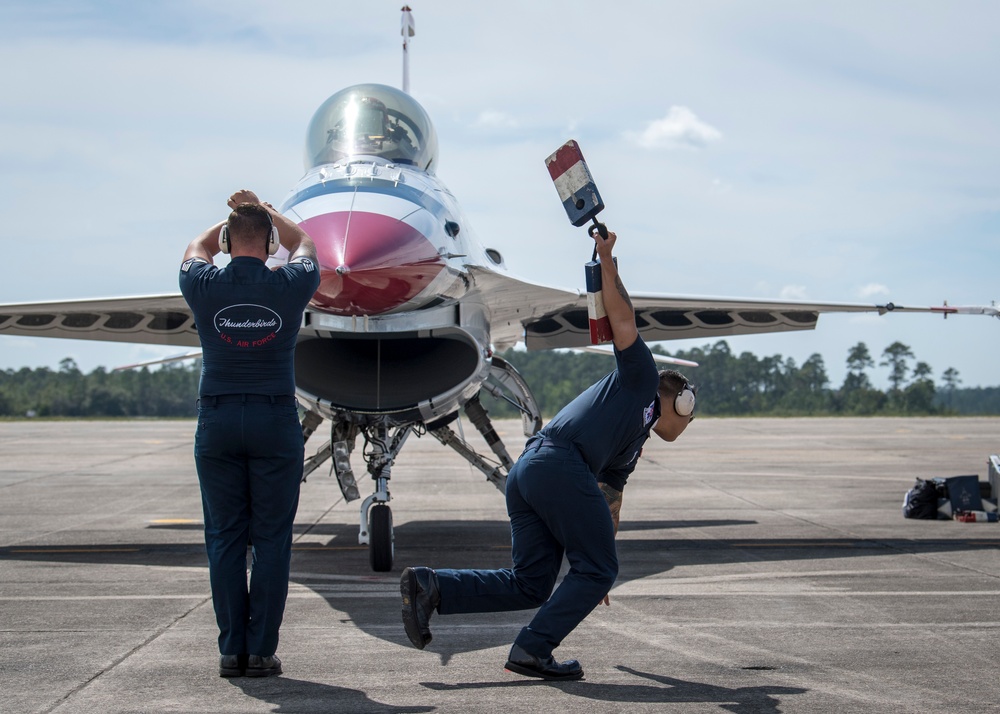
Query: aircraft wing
[542, 316]
[150, 319]
[547, 318]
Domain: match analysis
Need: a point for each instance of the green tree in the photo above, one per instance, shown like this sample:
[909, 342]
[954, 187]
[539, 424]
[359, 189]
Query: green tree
[67, 365]
[858, 360]
[951, 381]
[895, 357]
[807, 393]
[918, 398]
[857, 396]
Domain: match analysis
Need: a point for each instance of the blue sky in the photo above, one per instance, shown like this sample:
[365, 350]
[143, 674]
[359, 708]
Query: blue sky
[835, 152]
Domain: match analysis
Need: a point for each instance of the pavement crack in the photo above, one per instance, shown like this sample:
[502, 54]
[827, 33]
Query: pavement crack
[153, 637]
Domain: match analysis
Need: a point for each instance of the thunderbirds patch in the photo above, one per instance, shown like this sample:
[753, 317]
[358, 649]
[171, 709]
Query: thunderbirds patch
[247, 325]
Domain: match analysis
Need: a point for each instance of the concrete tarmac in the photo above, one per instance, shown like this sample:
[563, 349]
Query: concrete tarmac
[765, 567]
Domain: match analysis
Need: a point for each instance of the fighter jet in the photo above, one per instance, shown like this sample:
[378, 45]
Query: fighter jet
[403, 333]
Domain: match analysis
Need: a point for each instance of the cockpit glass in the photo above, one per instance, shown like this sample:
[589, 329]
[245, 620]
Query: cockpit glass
[371, 120]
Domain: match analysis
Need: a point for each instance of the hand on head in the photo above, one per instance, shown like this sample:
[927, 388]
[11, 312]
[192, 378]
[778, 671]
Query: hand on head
[244, 195]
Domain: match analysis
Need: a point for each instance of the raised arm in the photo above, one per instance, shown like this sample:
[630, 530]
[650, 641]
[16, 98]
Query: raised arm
[292, 238]
[617, 304]
[206, 245]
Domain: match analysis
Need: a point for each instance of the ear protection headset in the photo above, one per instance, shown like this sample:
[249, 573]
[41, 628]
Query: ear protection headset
[684, 401]
[273, 242]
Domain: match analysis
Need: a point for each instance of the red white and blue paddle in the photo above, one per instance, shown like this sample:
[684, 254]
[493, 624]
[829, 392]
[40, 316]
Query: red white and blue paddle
[582, 201]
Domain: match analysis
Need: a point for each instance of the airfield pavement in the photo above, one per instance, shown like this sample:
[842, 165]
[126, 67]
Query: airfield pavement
[765, 567]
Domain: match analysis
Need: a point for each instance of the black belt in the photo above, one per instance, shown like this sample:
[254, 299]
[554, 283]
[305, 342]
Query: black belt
[214, 400]
[536, 442]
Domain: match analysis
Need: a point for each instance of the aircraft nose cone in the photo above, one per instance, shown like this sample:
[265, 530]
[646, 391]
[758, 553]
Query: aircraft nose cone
[370, 263]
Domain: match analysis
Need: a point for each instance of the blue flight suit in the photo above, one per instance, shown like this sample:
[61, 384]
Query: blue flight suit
[248, 446]
[556, 508]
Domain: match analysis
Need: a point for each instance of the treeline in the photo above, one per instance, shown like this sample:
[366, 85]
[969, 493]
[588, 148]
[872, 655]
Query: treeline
[745, 384]
[169, 391]
[728, 385]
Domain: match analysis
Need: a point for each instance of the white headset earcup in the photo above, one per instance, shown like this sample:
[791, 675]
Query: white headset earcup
[274, 242]
[684, 403]
[224, 239]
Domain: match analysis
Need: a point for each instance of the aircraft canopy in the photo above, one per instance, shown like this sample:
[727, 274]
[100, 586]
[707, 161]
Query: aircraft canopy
[371, 120]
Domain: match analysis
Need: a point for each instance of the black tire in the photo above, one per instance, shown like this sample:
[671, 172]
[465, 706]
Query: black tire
[380, 540]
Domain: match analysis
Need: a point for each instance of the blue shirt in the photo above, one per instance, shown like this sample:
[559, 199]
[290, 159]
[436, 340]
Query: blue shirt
[610, 420]
[248, 319]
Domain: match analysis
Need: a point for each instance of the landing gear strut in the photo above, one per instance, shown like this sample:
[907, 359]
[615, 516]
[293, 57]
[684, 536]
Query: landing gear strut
[340, 446]
[383, 443]
[376, 516]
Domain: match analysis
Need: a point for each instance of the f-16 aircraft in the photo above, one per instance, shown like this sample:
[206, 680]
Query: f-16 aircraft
[402, 334]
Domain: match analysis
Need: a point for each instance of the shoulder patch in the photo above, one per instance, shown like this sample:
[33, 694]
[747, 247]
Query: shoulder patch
[306, 263]
[186, 265]
[647, 413]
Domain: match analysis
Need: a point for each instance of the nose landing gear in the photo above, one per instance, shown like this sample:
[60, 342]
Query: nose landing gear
[376, 516]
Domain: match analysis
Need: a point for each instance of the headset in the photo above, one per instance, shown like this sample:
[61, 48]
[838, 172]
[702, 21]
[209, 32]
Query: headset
[685, 399]
[273, 241]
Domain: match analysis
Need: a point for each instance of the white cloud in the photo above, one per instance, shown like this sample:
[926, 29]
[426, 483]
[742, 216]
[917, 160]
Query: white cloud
[718, 186]
[793, 292]
[873, 289]
[680, 128]
[490, 119]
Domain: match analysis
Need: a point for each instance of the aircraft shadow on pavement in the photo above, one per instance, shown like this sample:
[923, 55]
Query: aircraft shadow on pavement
[486, 544]
[478, 544]
[760, 699]
[303, 697]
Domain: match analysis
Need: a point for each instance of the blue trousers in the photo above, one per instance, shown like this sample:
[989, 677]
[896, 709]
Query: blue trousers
[249, 459]
[555, 508]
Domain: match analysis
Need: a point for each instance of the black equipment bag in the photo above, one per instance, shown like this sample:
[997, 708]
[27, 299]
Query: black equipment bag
[922, 500]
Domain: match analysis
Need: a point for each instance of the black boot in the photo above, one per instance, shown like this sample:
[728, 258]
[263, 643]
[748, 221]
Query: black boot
[419, 587]
[232, 665]
[258, 666]
[531, 666]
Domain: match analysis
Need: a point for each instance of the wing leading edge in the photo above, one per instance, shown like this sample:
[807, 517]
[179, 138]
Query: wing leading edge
[150, 319]
[547, 318]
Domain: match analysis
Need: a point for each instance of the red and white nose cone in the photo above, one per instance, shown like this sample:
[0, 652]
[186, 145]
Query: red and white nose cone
[370, 263]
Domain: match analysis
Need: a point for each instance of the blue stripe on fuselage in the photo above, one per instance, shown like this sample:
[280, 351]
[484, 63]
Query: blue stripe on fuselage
[367, 185]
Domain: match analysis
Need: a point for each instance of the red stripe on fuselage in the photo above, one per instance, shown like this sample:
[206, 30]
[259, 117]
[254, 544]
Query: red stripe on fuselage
[387, 262]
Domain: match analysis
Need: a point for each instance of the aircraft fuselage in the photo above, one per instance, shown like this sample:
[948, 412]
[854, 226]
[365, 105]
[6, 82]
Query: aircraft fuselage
[397, 329]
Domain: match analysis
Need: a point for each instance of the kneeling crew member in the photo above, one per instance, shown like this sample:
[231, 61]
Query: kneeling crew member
[248, 448]
[564, 495]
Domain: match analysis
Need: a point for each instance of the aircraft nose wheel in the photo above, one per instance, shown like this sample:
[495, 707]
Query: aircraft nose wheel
[380, 542]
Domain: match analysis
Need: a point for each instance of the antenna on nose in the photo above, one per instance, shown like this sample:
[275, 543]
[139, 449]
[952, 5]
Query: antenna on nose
[408, 30]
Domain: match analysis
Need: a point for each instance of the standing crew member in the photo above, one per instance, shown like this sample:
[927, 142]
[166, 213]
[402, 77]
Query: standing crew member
[564, 496]
[249, 447]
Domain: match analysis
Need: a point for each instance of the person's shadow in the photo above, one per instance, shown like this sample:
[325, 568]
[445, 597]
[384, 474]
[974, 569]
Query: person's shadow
[302, 697]
[743, 700]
